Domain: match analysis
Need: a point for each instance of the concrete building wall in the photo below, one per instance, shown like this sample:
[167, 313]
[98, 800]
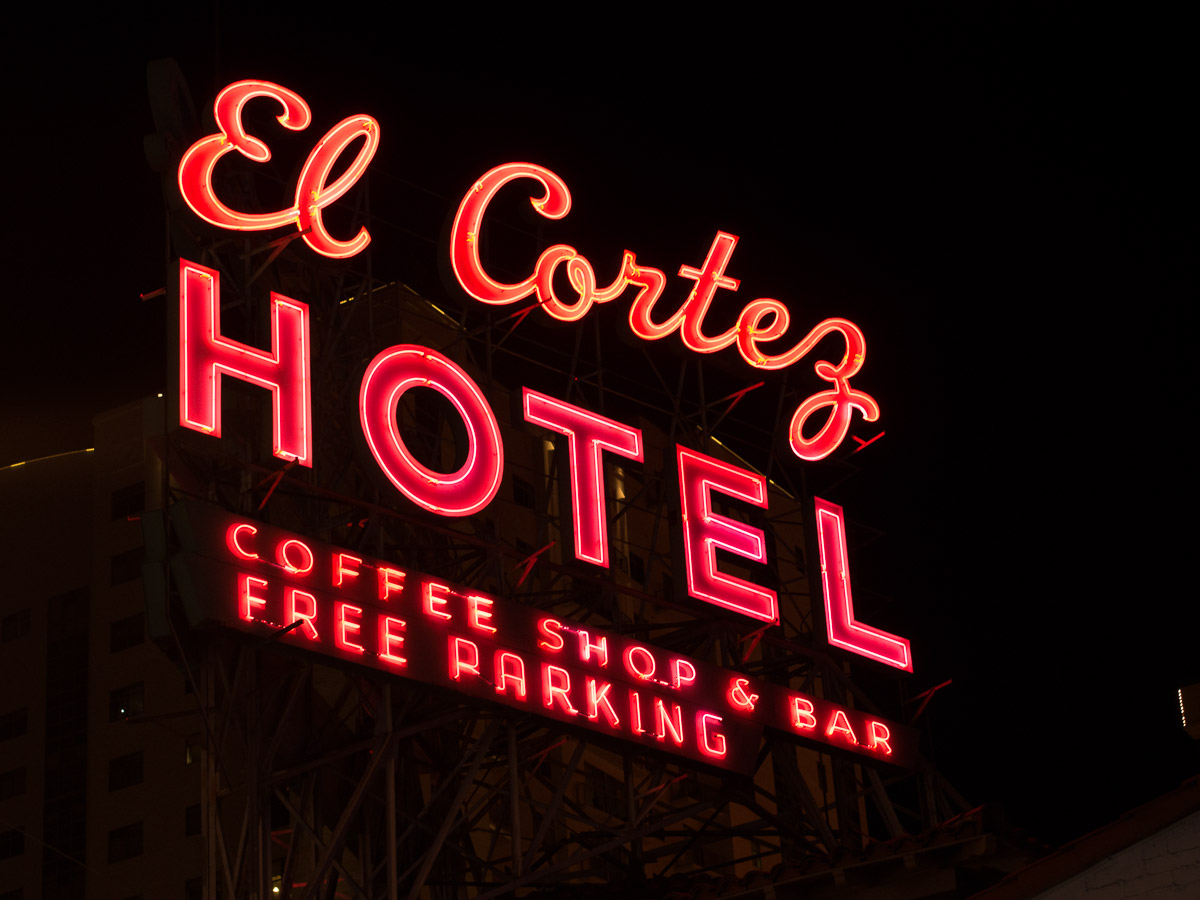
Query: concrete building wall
[1165, 866]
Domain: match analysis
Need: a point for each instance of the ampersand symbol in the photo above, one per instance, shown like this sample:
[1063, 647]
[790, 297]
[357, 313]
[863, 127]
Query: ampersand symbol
[738, 696]
[312, 193]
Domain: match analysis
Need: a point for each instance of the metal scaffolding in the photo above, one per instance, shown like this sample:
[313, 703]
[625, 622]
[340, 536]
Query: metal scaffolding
[320, 780]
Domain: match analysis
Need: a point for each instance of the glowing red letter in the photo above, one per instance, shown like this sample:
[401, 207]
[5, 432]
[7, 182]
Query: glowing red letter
[312, 192]
[459, 493]
[704, 531]
[588, 434]
[840, 624]
[205, 356]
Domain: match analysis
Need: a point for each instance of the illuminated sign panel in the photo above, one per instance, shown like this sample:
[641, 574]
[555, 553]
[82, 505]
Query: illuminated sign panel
[206, 357]
[255, 577]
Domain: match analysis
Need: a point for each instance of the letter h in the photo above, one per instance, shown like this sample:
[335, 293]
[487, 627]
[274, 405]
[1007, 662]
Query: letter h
[204, 356]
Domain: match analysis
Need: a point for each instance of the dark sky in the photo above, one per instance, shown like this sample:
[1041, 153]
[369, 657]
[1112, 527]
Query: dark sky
[999, 199]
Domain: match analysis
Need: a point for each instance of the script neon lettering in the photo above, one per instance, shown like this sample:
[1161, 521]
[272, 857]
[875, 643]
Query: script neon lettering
[762, 321]
[313, 194]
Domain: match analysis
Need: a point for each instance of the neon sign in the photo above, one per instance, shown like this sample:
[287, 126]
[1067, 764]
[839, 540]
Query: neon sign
[258, 578]
[762, 321]
[843, 629]
[313, 194]
[205, 357]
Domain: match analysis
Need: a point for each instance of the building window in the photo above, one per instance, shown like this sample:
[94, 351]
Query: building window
[637, 568]
[125, 843]
[12, 783]
[13, 724]
[126, 566]
[522, 492]
[129, 501]
[127, 632]
[12, 843]
[192, 889]
[14, 625]
[125, 771]
[125, 702]
[191, 820]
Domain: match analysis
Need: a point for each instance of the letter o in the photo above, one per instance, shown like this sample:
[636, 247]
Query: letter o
[389, 375]
[644, 671]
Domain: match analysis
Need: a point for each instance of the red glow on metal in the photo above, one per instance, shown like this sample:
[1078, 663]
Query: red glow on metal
[843, 629]
[588, 434]
[704, 531]
[313, 194]
[205, 356]
[406, 366]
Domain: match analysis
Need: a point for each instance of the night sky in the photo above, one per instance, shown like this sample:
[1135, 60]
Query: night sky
[1000, 200]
